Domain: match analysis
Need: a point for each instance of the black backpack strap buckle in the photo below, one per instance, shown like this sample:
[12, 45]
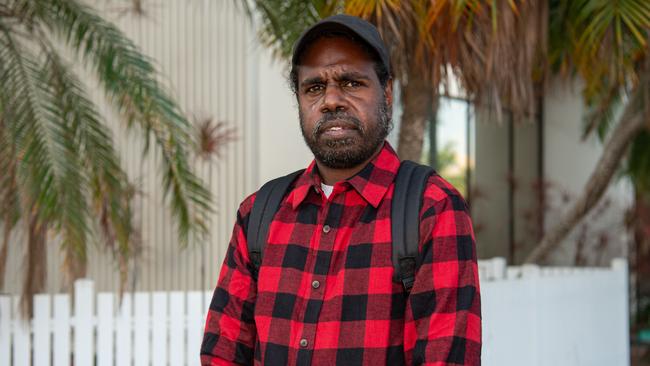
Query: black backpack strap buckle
[410, 184]
[256, 262]
[407, 272]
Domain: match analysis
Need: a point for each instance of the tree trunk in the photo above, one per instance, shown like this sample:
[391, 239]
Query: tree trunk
[8, 201]
[631, 122]
[4, 251]
[641, 256]
[36, 259]
[417, 97]
[76, 267]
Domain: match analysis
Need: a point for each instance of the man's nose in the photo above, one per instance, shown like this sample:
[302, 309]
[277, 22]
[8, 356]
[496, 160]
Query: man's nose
[333, 99]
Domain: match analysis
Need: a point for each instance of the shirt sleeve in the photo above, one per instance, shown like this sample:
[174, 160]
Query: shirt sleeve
[443, 317]
[230, 333]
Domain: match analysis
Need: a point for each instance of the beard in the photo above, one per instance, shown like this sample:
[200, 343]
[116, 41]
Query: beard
[348, 152]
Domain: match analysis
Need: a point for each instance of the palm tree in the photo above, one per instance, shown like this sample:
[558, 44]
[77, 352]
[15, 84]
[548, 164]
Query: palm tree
[502, 52]
[61, 177]
[429, 41]
[606, 44]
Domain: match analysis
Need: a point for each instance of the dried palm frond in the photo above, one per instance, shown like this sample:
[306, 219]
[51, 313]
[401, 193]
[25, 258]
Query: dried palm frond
[212, 137]
[500, 55]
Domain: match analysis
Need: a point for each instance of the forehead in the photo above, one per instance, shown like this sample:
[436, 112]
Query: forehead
[335, 52]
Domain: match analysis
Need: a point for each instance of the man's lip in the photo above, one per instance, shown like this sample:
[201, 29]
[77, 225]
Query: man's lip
[338, 133]
[337, 126]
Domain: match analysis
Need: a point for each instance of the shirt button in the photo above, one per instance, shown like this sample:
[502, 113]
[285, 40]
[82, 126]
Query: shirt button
[303, 342]
[326, 229]
[315, 284]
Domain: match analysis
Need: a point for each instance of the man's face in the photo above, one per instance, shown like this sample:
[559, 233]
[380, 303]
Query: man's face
[345, 114]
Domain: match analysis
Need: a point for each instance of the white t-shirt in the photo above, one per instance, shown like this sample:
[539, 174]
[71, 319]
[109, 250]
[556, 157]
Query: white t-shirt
[327, 189]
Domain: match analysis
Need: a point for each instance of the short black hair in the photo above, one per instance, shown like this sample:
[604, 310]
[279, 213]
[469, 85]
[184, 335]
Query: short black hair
[380, 69]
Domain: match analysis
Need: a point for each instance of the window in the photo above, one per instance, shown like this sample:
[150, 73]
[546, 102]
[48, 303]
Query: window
[449, 143]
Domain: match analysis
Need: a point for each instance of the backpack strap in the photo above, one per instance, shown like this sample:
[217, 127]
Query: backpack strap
[267, 202]
[405, 219]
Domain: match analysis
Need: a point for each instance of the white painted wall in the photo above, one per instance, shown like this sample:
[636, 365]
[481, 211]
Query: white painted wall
[281, 148]
[549, 316]
[568, 162]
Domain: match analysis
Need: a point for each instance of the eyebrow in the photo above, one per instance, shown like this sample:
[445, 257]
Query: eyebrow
[311, 81]
[351, 75]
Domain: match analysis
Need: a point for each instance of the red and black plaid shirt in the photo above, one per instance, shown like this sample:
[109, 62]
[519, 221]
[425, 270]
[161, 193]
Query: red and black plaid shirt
[325, 293]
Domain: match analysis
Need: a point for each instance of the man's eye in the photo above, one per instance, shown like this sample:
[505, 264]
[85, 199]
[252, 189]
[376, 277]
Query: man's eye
[351, 84]
[314, 89]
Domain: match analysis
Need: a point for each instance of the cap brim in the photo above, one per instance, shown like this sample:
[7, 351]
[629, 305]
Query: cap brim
[312, 33]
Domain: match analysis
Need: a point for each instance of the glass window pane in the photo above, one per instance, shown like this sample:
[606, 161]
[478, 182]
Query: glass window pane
[453, 159]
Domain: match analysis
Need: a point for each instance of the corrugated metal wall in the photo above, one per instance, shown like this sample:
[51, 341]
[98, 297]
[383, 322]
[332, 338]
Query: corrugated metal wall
[206, 53]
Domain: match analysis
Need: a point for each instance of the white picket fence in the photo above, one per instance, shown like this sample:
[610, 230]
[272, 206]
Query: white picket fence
[159, 328]
[532, 316]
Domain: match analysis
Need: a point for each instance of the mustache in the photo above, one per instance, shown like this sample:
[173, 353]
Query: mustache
[325, 122]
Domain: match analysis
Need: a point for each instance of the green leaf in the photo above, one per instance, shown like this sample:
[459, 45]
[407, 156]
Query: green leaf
[130, 81]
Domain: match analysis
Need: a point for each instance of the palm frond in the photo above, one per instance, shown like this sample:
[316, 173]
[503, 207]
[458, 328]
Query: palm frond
[52, 189]
[9, 200]
[130, 81]
[500, 53]
[72, 215]
[98, 160]
[278, 33]
[39, 139]
[604, 42]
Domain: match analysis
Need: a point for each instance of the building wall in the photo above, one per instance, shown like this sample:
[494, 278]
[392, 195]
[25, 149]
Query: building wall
[568, 162]
[281, 147]
[489, 203]
[503, 186]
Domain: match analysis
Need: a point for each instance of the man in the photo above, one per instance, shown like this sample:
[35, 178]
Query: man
[324, 293]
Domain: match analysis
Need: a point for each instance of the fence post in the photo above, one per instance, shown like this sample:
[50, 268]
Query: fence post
[499, 268]
[159, 340]
[42, 329]
[83, 322]
[61, 330]
[5, 330]
[105, 329]
[620, 265]
[142, 334]
[532, 273]
[194, 326]
[22, 340]
[123, 332]
[177, 328]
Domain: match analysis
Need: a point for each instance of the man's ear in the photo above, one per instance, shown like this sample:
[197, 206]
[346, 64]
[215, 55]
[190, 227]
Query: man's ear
[388, 92]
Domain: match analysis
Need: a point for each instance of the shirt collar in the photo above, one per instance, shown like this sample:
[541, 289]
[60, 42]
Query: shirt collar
[372, 182]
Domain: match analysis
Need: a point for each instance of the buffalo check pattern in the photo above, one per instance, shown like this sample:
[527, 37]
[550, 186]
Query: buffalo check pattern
[325, 293]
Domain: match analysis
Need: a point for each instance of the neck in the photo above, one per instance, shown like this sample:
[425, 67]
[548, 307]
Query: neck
[332, 175]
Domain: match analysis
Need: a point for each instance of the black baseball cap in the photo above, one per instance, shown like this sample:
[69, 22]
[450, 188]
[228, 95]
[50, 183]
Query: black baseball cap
[355, 26]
